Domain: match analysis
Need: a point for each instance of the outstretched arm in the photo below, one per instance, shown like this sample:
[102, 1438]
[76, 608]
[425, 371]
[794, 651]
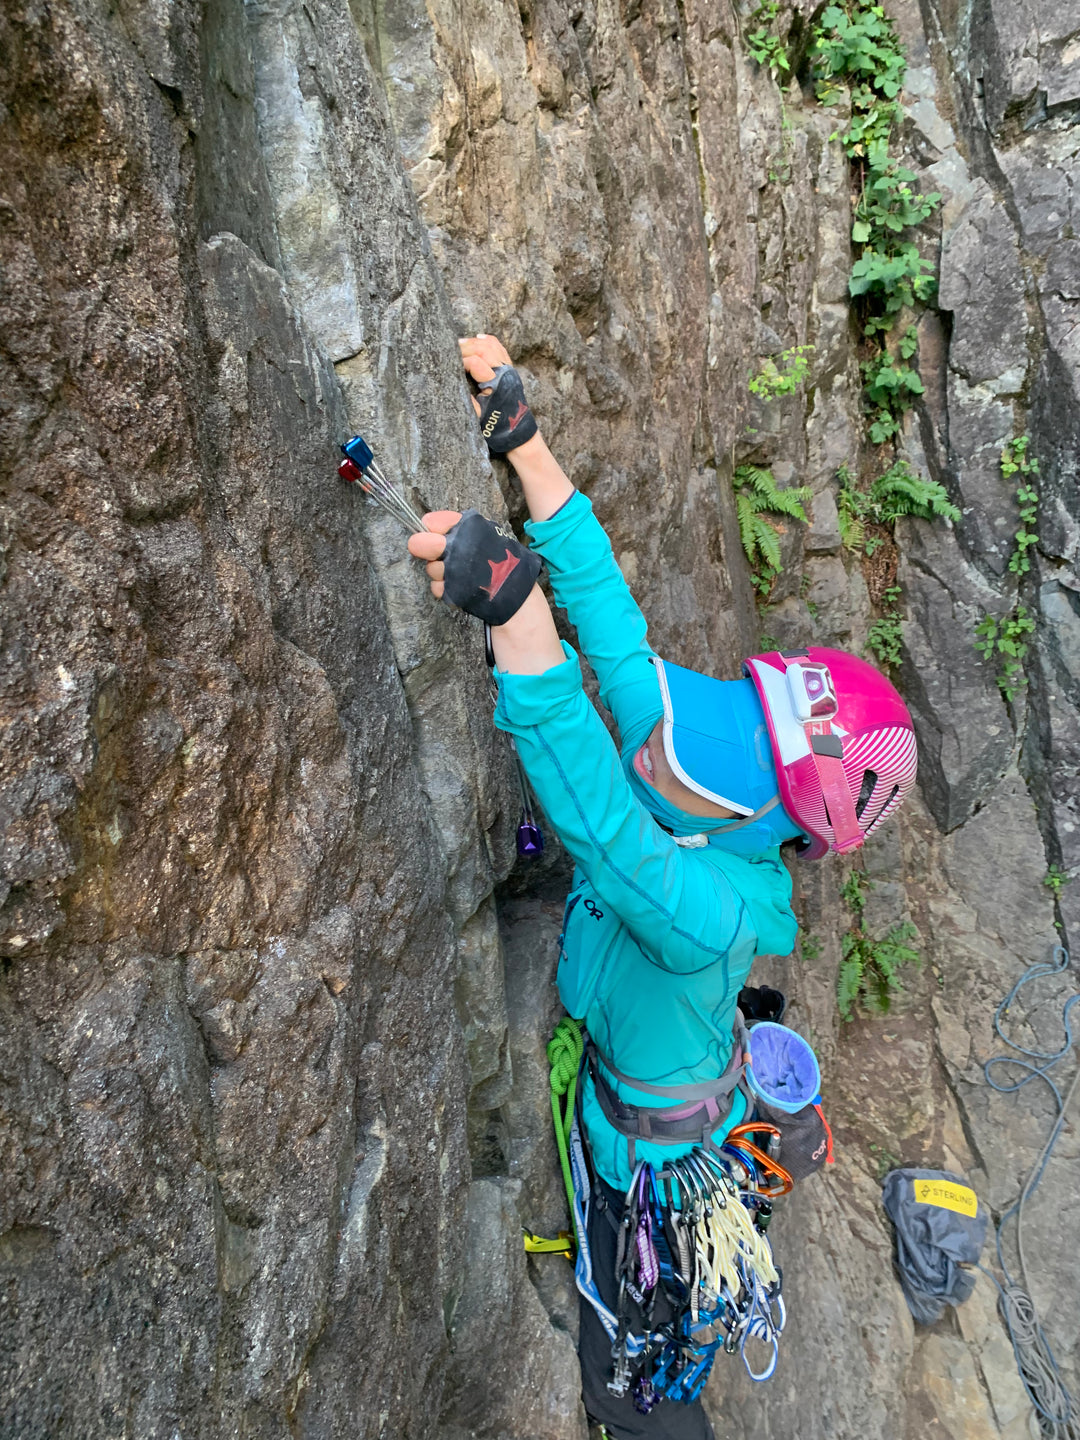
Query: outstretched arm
[585, 579]
[543, 483]
[684, 913]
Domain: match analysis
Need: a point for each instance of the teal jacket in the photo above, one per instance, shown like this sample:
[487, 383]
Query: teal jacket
[658, 939]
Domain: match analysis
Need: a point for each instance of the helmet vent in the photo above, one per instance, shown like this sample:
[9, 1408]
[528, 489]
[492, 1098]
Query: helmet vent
[884, 809]
[869, 781]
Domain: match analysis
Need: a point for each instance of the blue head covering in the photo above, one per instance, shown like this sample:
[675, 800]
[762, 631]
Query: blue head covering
[717, 743]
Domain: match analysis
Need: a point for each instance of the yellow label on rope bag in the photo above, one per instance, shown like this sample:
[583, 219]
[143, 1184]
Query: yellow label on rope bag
[947, 1196]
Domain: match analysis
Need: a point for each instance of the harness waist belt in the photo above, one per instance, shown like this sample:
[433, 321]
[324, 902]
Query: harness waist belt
[706, 1104]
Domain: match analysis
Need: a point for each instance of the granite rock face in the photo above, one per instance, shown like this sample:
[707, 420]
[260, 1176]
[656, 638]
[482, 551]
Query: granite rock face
[234, 1140]
[273, 1004]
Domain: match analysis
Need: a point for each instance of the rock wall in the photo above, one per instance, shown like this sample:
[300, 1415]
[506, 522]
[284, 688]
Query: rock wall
[273, 1003]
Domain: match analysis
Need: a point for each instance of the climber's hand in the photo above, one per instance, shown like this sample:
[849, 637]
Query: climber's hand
[477, 564]
[543, 483]
[429, 545]
[480, 355]
[525, 642]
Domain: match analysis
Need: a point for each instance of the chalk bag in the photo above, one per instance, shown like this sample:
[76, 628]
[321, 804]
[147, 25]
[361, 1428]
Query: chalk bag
[782, 1070]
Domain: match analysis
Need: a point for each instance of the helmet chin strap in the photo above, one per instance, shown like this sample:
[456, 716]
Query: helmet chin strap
[695, 842]
[827, 749]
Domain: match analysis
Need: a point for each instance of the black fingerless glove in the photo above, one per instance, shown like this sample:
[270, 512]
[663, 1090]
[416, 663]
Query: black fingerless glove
[485, 570]
[505, 418]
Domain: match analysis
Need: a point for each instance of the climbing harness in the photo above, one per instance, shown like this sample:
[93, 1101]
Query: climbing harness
[704, 1109]
[693, 1229]
[1057, 1412]
[505, 418]
[690, 1230]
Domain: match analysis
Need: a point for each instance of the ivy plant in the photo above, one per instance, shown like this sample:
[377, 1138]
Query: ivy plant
[764, 43]
[757, 498]
[1055, 879]
[856, 49]
[857, 44]
[1016, 461]
[1005, 642]
[1004, 639]
[891, 387]
[888, 204]
[884, 637]
[891, 278]
[774, 380]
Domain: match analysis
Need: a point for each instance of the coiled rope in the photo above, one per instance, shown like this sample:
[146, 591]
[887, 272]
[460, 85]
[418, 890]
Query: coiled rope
[564, 1052]
[1056, 1411]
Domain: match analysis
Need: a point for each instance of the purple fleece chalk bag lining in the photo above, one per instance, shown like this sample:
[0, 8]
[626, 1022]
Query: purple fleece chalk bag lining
[782, 1070]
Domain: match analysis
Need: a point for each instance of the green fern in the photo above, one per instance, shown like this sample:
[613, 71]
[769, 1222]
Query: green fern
[895, 493]
[870, 969]
[760, 540]
[887, 956]
[758, 496]
[763, 485]
[851, 506]
[849, 978]
[900, 492]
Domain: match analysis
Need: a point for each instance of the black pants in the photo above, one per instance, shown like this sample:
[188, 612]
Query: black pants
[669, 1420]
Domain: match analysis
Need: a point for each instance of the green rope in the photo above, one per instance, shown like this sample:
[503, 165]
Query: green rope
[564, 1052]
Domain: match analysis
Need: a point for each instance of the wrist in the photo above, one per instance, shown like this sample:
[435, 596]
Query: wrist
[545, 486]
[528, 643]
[531, 453]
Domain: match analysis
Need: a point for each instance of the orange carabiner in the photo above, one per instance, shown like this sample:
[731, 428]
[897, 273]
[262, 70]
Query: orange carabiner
[783, 1177]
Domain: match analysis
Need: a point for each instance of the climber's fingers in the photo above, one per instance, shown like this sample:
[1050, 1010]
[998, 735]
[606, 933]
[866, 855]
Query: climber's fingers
[481, 355]
[479, 369]
[429, 544]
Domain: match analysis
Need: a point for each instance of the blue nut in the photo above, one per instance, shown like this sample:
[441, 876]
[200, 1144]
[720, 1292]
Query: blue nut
[358, 451]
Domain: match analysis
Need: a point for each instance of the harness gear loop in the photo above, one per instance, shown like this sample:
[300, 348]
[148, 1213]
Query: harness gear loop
[564, 1052]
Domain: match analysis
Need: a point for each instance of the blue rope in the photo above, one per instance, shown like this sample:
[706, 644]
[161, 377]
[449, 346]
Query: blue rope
[1058, 1417]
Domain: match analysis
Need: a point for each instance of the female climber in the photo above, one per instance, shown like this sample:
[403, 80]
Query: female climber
[678, 884]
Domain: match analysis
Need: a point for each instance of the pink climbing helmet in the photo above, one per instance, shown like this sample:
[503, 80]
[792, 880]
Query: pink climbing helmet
[842, 740]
